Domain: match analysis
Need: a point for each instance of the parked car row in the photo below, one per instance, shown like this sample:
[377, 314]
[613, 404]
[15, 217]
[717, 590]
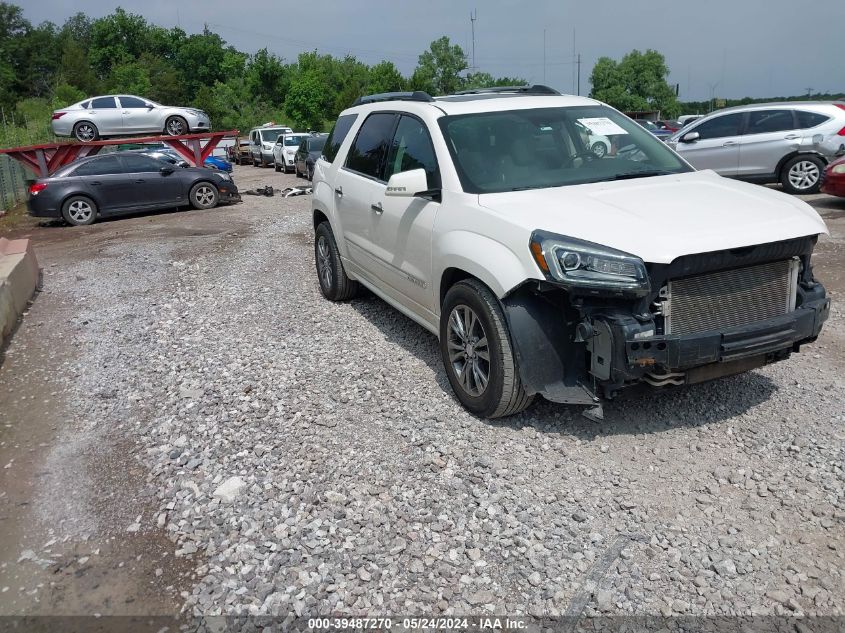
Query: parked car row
[280, 147]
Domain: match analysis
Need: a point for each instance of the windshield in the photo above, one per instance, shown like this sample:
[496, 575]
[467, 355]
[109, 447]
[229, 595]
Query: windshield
[271, 136]
[293, 141]
[552, 147]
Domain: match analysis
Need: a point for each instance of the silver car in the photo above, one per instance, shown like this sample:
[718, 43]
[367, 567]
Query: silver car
[790, 142]
[123, 115]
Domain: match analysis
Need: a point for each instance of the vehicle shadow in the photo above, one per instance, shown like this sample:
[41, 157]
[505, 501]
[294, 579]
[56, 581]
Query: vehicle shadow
[638, 411]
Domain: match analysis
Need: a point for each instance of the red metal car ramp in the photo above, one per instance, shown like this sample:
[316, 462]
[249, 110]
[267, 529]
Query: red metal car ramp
[45, 159]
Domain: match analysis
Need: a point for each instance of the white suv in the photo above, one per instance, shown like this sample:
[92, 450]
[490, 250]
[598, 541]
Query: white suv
[545, 269]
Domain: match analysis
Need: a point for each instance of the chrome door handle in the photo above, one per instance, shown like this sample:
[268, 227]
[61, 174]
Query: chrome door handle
[140, 181]
[125, 112]
[338, 191]
[728, 143]
[791, 137]
[95, 182]
[377, 208]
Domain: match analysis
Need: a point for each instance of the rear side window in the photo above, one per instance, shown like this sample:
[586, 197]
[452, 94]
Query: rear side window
[132, 102]
[338, 135]
[134, 163]
[103, 103]
[369, 150]
[762, 121]
[725, 125]
[809, 119]
[412, 149]
[99, 167]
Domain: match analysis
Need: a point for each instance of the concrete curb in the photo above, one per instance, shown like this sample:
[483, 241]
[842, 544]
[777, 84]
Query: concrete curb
[18, 279]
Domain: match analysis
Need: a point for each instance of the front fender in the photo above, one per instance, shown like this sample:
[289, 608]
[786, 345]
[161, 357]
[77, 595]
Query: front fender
[493, 263]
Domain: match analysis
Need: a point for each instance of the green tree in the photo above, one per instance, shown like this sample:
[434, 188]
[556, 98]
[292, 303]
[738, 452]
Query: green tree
[438, 68]
[385, 77]
[486, 80]
[117, 39]
[267, 78]
[306, 101]
[638, 82]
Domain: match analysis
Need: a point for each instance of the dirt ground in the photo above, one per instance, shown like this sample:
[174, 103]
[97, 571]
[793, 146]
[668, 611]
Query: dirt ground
[67, 503]
[71, 495]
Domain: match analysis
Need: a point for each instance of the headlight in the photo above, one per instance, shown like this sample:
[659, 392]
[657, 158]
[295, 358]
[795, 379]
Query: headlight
[838, 169]
[223, 175]
[589, 267]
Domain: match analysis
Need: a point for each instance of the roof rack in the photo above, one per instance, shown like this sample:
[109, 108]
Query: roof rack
[536, 89]
[417, 95]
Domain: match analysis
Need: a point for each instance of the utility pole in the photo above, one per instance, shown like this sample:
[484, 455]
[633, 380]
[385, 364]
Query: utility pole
[544, 56]
[473, 16]
[579, 73]
[809, 92]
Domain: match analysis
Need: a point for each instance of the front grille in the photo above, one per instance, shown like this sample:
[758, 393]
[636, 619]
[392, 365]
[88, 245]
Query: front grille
[730, 298]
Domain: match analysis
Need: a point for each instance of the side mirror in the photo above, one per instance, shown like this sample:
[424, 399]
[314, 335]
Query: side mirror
[690, 137]
[166, 170]
[407, 184]
[150, 106]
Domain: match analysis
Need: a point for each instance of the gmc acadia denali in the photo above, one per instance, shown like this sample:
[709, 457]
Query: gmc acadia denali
[547, 268]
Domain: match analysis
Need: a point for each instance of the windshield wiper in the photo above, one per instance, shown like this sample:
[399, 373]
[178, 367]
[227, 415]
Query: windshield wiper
[641, 173]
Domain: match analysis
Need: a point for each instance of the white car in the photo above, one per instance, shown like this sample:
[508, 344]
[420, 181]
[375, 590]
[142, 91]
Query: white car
[285, 149]
[262, 140]
[122, 115]
[546, 270]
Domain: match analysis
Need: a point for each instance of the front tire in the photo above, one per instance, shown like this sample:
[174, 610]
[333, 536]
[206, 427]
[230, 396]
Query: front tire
[85, 132]
[176, 126]
[79, 211]
[599, 149]
[802, 174]
[276, 166]
[334, 283]
[476, 350]
[204, 195]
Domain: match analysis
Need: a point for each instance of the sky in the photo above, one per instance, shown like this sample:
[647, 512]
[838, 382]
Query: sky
[714, 48]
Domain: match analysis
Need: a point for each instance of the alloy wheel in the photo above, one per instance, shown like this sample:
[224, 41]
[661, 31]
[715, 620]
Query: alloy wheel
[175, 127]
[324, 262]
[85, 132]
[804, 175]
[469, 352]
[80, 211]
[204, 195]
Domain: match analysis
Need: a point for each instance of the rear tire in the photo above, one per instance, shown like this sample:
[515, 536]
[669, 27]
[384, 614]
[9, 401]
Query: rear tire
[204, 195]
[334, 284]
[85, 132]
[79, 211]
[476, 350]
[802, 174]
[276, 166]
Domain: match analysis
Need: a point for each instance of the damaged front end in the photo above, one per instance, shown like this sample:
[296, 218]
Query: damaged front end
[604, 320]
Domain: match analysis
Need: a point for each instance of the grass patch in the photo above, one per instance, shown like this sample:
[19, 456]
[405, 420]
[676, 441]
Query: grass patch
[16, 218]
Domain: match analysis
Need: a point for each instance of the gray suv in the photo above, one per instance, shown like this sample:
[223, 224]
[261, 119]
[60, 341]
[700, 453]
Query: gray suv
[790, 143]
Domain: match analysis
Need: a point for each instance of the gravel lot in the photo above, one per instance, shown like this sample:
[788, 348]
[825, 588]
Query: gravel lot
[309, 457]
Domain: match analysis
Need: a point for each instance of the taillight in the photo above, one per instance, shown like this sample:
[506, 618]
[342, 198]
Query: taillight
[58, 115]
[841, 132]
[36, 188]
[840, 105]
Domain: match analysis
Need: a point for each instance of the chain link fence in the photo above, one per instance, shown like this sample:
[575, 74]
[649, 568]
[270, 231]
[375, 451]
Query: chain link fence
[12, 183]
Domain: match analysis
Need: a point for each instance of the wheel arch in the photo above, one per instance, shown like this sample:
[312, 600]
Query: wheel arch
[796, 153]
[464, 254]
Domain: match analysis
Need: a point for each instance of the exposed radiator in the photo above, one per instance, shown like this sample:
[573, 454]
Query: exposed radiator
[730, 298]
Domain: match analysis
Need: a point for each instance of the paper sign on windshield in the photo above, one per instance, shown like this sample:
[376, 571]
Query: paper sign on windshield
[602, 125]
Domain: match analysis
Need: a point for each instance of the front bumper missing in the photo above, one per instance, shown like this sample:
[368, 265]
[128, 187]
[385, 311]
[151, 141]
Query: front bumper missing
[620, 354]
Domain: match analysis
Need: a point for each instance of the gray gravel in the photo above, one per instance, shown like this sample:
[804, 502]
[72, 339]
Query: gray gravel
[310, 458]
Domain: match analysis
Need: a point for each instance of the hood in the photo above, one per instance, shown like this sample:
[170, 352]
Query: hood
[662, 218]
